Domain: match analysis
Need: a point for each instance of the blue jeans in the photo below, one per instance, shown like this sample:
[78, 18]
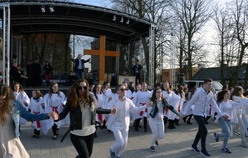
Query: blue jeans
[227, 131]
[202, 132]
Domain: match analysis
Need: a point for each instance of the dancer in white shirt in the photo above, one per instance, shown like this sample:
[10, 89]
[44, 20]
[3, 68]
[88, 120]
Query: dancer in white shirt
[54, 100]
[129, 93]
[180, 92]
[137, 89]
[141, 98]
[189, 95]
[99, 96]
[237, 96]
[37, 106]
[21, 96]
[229, 107]
[107, 94]
[119, 122]
[173, 99]
[202, 98]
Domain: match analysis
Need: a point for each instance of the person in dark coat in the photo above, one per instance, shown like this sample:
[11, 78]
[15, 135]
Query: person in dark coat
[48, 72]
[136, 71]
[79, 66]
[29, 71]
[36, 74]
[16, 75]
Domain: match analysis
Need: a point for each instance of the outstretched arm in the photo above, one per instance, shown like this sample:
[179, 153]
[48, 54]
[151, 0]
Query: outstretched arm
[87, 60]
[171, 108]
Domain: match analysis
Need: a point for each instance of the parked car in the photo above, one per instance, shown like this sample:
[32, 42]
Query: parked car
[191, 83]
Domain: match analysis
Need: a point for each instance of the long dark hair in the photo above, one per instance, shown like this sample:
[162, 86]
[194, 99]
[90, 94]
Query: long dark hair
[73, 94]
[236, 91]
[94, 90]
[220, 95]
[50, 90]
[21, 87]
[38, 94]
[180, 90]
[154, 98]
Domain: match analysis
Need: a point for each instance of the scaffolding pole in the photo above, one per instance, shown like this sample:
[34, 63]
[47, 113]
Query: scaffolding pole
[6, 42]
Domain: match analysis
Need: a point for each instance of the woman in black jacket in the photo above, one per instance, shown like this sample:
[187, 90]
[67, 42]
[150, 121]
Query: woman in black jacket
[82, 108]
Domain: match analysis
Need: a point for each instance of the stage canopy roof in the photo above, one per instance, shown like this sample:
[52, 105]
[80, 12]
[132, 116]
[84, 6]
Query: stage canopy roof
[28, 17]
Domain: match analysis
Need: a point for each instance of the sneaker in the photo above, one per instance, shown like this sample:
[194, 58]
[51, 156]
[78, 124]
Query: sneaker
[244, 144]
[216, 137]
[156, 142]
[205, 153]
[226, 150]
[152, 148]
[54, 137]
[184, 119]
[195, 149]
[112, 154]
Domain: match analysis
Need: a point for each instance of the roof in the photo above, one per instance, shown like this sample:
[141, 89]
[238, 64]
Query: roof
[74, 18]
[214, 73]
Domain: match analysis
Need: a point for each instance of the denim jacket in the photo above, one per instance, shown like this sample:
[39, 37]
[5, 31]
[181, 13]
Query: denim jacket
[19, 110]
[165, 104]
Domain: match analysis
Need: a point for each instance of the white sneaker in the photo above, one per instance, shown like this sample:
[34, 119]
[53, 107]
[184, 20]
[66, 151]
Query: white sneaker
[244, 144]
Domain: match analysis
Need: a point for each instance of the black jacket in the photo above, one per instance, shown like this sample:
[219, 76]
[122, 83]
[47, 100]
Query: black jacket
[76, 114]
[76, 61]
[165, 104]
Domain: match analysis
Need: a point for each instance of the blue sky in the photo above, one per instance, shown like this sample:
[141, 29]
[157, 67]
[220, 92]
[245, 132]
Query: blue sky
[90, 2]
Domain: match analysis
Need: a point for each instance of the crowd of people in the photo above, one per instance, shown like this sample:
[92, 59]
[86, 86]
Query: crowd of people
[33, 76]
[87, 107]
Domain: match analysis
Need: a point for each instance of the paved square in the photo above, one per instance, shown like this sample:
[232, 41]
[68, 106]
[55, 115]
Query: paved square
[176, 144]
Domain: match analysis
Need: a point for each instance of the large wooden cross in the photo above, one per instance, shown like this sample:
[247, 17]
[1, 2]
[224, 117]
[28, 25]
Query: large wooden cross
[102, 53]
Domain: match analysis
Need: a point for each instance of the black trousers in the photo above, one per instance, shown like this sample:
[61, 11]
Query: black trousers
[83, 145]
[202, 132]
[137, 79]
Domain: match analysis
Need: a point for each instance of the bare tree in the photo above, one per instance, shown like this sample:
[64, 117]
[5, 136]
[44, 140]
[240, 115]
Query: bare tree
[225, 39]
[154, 11]
[192, 15]
[240, 15]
